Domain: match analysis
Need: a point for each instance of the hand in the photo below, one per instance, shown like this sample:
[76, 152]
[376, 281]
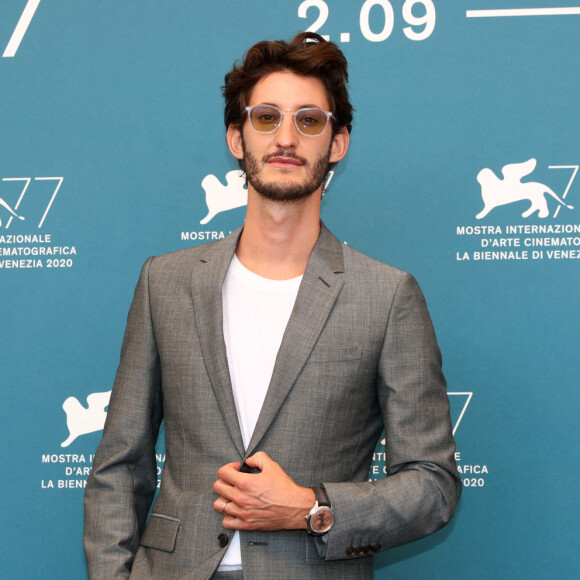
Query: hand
[264, 501]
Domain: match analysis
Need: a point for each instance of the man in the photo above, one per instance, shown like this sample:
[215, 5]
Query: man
[277, 350]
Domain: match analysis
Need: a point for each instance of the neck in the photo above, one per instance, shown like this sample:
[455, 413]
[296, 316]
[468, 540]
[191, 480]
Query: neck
[278, 237]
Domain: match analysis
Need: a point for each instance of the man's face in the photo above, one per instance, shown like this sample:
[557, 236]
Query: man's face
[286, 165]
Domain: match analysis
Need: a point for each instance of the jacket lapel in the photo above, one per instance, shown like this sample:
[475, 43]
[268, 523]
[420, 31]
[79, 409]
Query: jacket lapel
[206, 286]
[320, 287]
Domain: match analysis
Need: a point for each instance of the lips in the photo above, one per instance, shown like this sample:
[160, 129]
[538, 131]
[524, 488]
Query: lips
[285, 159]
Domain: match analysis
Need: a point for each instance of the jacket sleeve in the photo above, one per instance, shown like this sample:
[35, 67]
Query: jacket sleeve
[123, 480]
[422, 486]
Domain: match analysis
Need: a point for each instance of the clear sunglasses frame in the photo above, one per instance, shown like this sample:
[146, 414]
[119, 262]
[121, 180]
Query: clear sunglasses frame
[294, 114]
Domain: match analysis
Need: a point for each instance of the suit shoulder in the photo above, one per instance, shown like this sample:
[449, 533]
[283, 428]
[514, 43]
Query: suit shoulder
[188, 258]
[185, 255]
[360, 263]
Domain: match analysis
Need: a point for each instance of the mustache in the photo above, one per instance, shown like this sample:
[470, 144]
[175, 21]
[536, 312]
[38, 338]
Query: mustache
[289, 154]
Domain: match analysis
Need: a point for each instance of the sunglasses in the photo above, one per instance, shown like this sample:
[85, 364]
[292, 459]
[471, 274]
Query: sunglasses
[310, 121]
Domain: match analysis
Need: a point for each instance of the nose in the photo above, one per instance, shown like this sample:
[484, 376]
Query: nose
[287, 134]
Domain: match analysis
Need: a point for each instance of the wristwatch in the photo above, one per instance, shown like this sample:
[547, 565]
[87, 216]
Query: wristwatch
[321, 517]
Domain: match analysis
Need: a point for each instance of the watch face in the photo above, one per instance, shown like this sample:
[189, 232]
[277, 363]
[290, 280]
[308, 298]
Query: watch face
[322, 520]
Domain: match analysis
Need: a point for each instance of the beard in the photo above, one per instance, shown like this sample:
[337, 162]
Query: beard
[281, 190]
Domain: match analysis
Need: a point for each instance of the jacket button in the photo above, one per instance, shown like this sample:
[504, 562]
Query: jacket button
[223, 540]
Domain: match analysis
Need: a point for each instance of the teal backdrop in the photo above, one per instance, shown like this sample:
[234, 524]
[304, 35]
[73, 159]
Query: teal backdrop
[111, 126]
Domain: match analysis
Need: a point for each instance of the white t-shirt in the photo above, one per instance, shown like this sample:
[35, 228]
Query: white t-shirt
[256, 311]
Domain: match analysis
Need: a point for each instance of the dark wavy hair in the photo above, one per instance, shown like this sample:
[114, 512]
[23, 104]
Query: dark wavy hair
[307, 54]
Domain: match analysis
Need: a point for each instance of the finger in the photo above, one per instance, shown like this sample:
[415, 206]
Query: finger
[230, 511]
[236, 480]
[229, 472]
[259, 460]
[236, 518]
[233, 523]
[220, 504]
[223, 489]
[234, 466]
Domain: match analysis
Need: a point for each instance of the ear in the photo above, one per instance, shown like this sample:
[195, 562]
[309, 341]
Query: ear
[339, 145]
[234, 139]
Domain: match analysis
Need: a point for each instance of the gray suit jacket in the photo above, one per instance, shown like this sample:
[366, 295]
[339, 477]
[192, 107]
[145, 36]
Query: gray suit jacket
[359, 355]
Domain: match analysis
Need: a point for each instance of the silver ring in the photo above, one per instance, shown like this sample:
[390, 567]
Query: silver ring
[224, 508]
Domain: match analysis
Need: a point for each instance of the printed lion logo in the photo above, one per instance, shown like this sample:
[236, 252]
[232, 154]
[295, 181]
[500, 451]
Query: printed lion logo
[10, 210]
[219, 197]
[496, 192]
[81, 420]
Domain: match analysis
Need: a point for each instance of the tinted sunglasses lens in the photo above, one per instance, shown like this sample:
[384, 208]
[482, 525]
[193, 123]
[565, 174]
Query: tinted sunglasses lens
[311, 121]
[265, 119]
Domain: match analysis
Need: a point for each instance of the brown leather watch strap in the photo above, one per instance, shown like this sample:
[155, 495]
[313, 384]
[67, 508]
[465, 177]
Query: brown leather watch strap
[321, 495]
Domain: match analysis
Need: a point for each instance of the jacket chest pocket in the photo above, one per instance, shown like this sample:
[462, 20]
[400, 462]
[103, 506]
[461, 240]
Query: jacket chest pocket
[329, 354]
[333, 370]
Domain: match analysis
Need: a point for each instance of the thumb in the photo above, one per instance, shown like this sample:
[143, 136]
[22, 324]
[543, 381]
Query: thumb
[259, 460]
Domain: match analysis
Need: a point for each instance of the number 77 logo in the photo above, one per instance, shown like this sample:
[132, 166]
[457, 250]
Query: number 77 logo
[21, 28]
[27, 181]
